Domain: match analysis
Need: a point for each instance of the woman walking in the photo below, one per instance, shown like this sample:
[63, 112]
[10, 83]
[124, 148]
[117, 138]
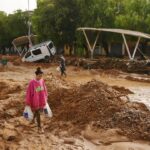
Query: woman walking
[36, 97]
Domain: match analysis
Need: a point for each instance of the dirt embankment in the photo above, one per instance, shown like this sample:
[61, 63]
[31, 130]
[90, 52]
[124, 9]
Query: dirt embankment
[74, 107]
[104, 106]
[7, 88]
[122, 90]
[112, 63]
[11, 104]
[105, 63]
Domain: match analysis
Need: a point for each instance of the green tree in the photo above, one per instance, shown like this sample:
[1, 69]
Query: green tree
[135, 15]
[43, 20]
[17, 24]
[56, 20]
[3, 30]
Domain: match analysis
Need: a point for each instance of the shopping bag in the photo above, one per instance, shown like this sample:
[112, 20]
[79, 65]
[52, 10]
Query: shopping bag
[48, 111]
[28, 114]
[58, 69]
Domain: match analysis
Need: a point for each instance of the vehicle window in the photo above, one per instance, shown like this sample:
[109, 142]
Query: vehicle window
[28, 54]
[37, 52]
[50, 45]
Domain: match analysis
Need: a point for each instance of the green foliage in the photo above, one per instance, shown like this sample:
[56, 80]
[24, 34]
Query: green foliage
[3, 29]
[58, 19]
[17, 24]
[135, 15]
[43, 20]
[80, 52]
[12, 26]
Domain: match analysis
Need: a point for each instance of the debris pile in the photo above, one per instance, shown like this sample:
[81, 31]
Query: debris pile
[99, 103]
[112, 63]
[54, 82]
[122, 90]
[7, 88]
[134, 123]
[139, 79]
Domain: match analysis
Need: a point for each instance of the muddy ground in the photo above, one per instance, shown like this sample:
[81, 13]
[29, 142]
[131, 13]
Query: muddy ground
[95, 109]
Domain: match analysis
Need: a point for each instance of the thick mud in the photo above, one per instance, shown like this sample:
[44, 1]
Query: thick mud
[92, 109]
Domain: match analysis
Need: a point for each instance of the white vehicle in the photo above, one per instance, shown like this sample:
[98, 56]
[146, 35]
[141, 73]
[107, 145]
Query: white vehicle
[43, 51]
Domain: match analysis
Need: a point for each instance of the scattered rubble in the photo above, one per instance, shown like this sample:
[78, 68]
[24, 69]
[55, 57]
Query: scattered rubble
[105, 108]
[112, 63]
[122, 90]
[146, 80]
[100, 103]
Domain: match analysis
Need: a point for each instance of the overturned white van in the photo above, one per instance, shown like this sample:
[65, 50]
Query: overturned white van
[43, 51]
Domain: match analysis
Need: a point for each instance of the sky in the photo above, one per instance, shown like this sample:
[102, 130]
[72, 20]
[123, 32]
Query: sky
[9, 6]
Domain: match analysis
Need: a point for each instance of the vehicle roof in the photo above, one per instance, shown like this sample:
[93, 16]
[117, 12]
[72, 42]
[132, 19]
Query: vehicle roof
[23, 40]
[40, 44]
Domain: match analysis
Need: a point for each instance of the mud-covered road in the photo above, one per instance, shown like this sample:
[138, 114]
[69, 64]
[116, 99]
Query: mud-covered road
[71, 128]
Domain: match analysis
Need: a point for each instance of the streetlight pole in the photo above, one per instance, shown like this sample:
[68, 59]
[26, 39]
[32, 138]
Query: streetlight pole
[29, 26]
[28, 5]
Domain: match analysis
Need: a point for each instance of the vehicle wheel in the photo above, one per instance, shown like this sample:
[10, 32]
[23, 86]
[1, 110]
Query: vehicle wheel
[52, 59]
[47, 59]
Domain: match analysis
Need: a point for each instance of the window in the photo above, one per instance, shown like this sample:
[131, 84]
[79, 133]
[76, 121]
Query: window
[28, 54]
[37, 52]
[50, 45]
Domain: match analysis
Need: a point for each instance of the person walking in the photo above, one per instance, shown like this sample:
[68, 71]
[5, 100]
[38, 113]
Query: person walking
[36, 97]
[62, 66]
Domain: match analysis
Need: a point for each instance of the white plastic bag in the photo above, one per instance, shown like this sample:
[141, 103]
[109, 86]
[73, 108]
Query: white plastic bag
[48, 111]
[58, 68]
[28, 114]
